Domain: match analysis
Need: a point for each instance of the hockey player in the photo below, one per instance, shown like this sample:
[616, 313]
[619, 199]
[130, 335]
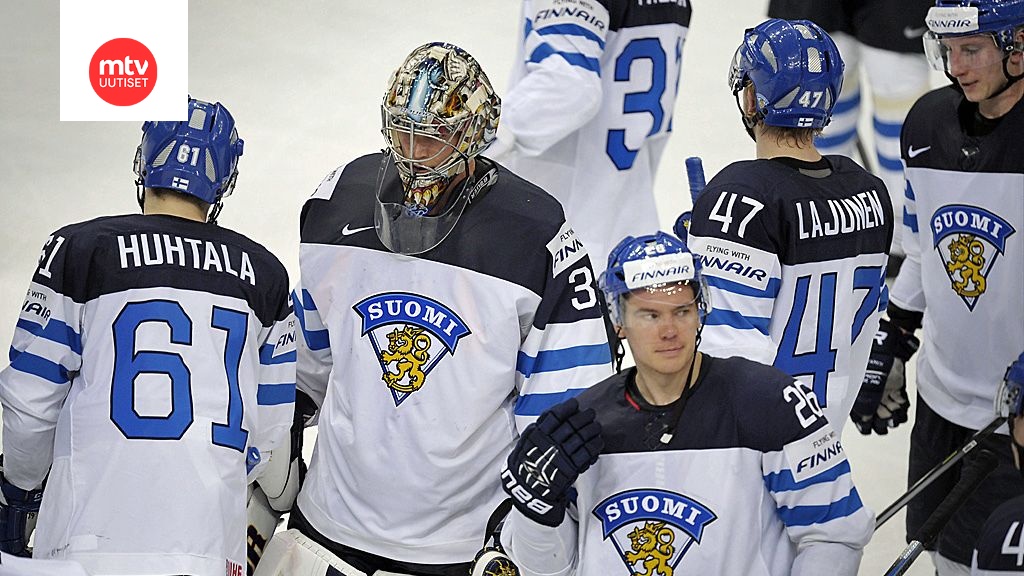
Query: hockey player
[1000, 547]
[686, 463]
[444, 304]
[590, 106]
[964, 270]
[882, 38]
[794, 244]
[152, 369]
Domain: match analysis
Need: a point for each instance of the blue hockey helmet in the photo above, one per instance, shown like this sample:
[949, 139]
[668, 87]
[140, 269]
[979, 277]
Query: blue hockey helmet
[198, 157]
[1000, 19]
[655, 262]
[796, 71]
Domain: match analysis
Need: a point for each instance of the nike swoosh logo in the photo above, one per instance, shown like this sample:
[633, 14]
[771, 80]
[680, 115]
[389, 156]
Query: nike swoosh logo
[911, 33]
[346, 231]
[914, 153]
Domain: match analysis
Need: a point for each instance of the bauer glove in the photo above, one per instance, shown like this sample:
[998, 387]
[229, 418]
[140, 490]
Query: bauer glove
[550, 455]
[883, 402]
[18, 510]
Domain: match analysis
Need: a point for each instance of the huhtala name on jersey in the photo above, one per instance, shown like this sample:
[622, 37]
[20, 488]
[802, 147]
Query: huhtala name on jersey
[159, 249]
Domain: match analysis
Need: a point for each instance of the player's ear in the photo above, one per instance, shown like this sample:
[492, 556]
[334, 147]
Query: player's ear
[749, 100]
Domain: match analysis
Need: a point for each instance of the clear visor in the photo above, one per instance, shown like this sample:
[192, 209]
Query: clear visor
[1008, 400]
[957, 54]
[676, 302]
[737, 79]
[405, 229]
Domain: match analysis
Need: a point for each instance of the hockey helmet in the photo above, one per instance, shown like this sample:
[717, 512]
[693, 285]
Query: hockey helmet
[198, 157]
[656, 262]
[998, 19]
[796, 71]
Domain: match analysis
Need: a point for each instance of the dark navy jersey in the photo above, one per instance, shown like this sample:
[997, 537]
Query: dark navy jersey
[1000, 547]
[153, 362]
[795, 256]
[753, 461]
[452, 351]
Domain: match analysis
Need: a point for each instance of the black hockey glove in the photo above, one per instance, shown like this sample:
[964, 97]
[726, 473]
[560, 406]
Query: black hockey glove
[883, 402]
[550, 455]
[18, 509]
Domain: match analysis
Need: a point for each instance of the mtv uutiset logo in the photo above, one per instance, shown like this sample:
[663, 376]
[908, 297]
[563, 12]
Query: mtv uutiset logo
[123, 71]
[116, 65]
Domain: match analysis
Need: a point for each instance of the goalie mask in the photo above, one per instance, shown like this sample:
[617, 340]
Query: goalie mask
[198, 157]
[659, 264]
[439, 112]
[796, 71]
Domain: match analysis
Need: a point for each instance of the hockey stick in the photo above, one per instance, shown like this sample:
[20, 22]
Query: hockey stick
[972, 476]
[695, 176]
[939, 470]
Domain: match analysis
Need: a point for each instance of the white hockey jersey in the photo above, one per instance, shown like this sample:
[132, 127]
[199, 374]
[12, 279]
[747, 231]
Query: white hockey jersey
[753, 477]
[795, 256]
[590, 107]
[964, 238]
[152, 363]
[427, 367]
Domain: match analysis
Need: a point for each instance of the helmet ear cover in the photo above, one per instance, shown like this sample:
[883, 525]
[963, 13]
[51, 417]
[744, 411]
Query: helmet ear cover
[796, 71]
[197, 157]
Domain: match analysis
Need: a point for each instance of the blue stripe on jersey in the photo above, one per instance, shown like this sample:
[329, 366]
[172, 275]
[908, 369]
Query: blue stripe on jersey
[908, 191]
[835, 140]
[770, 291]
[527, 28]
[883, 300]
[809, 515]
[536, 404]
[890, 164]
[315, 339]
[41, 367]
[563, 359]
[273, 394]
[910, 220]
[733, 319]
[267, 357]
[55, 331]
[886, 129]
[544, 50]
[571, 30]
[846, 104]
[783, 480]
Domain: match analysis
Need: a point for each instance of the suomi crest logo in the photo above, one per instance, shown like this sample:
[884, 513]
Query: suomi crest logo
[652, 529]
[968, 239]
[410, 334]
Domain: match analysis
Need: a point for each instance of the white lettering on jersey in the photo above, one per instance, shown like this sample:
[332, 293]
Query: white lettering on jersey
[145, 249]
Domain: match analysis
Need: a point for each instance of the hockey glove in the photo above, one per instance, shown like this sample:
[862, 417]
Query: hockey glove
[18, 509]
[882, 402]
[550, 455]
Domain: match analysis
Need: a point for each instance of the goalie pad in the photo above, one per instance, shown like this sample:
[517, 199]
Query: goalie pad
[263, 521]
[291, 553]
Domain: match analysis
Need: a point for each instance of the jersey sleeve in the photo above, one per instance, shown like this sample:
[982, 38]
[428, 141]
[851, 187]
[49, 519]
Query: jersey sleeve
[809, 479]
[45, 356]
[539, 550]
[566, 346]
[907, 290]
[563, 41]
[275, 393]
[735, 234]
[312, 347]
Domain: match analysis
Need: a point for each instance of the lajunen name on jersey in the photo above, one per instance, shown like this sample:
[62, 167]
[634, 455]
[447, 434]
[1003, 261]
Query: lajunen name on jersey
[817, 218]
[147, 249]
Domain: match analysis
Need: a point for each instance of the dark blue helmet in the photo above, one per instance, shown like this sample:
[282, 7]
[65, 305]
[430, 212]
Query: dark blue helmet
[198, 157]
[796, 71]
[652, 261]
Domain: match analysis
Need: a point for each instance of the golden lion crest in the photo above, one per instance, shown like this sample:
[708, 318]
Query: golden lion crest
[652, 544]
[966, 261]
[409, 349]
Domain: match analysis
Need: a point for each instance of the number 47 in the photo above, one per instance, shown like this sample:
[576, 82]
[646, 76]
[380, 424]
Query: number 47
[805, 99]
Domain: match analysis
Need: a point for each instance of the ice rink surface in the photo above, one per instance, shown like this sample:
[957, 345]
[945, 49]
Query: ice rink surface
[304, 80]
